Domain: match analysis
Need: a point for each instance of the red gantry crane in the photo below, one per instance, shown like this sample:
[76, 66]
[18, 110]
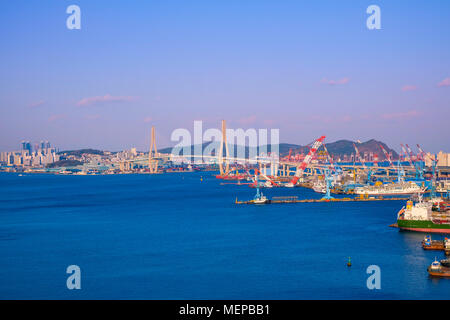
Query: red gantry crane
[421, 154]
[386, 155]
[411, 153]
[408, 157]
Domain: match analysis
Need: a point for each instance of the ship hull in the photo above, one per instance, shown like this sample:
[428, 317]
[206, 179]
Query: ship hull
[423, 226]
[387, 193]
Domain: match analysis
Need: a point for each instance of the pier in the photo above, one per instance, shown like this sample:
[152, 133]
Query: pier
[281, 200]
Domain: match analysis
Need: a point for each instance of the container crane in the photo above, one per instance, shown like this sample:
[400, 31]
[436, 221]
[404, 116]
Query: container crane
[411, 153]
[417, 166]
[434, 163]
[386, 154]
[421, 153]
[330, 159]
[406, 154]
[363, 162]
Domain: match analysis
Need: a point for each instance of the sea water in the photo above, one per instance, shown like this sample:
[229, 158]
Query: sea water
[181, 236]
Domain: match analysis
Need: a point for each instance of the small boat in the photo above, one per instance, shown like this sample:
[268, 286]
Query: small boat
[445, 262]
[447, 246]
[289, 185]
[429, 244]
[261, 200]
[268, 184]
[437, 270]
[259, 197]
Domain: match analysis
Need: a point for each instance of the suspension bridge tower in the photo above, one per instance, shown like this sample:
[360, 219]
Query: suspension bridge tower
[152, 155]
[224, 141]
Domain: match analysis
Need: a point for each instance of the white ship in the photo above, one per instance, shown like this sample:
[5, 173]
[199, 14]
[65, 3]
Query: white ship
[320, 187]
[391, 189]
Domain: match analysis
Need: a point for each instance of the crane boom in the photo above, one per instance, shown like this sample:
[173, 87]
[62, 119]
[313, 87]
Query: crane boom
[329, 157]
[300, 169]
[411, 153]
[421, 153]
[359, 156]
[407, 155]
[386, 155]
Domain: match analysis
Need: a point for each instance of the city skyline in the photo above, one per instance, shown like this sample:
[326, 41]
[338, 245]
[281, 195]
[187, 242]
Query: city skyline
[305, 68]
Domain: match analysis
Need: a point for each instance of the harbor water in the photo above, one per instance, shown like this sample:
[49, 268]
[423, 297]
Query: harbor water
[177, 236]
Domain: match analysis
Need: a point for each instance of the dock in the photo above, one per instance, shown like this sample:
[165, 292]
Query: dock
[283, 200]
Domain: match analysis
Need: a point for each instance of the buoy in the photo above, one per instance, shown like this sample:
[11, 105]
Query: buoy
[349, 263]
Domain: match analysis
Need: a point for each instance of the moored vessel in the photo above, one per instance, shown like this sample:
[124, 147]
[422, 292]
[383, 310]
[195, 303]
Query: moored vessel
[429, 244]
[422, 217]
[445, 262]
[398, 188]
[437, 270]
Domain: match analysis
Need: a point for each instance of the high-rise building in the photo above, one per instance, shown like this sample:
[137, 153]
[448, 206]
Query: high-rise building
[26, 146]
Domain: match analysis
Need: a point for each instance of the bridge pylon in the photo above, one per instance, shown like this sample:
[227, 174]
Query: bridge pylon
[224, 141]
[152, 155]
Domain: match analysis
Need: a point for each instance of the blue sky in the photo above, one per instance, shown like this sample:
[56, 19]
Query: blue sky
[309, 68]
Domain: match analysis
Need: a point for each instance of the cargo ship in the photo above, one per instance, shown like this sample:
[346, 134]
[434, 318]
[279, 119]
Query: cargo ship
[432, 216]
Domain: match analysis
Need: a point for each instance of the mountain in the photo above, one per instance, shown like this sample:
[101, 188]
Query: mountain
[337, 149]
[345, 147]
[78, 153]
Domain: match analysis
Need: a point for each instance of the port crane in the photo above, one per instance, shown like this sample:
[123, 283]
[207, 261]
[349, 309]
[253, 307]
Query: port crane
[421, 153]
[300, 169]
[417, 166]
[363, 162]
[328, 181]
[386, 154]
[330, 159]
[411, 153]
[434, 162]
[408, 157]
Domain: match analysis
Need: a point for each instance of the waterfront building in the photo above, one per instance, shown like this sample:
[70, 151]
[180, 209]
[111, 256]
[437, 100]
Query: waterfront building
[443, 159]
[26, 157]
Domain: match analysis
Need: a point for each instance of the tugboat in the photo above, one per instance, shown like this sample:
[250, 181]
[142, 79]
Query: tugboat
[437, 270]
[259, 197]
